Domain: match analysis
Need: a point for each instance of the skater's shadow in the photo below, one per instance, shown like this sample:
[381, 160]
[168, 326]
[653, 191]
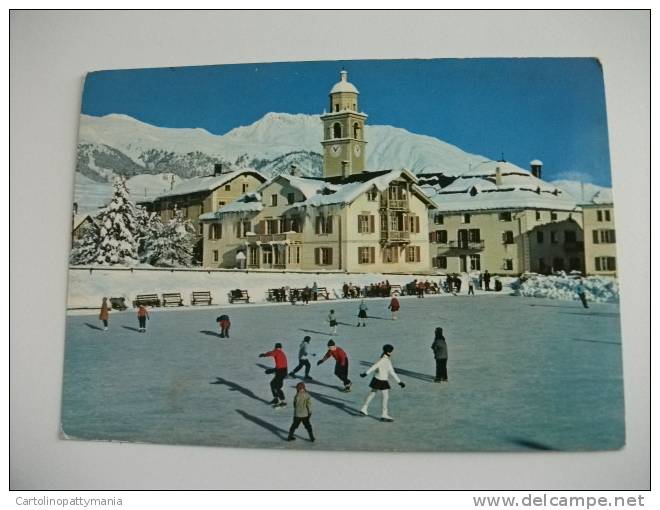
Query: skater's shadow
[92, 326]
[314, 331]
[281, 433]
[532, 445]
[324, 399]
[319, 383]
[379, 318]
[237, 387]
[407, 373]
[553, 306]
[592, 314]
[211, 333]
[595, 341]
[131, 328]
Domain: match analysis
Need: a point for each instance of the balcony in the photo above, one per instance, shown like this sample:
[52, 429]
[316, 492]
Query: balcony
[387, 203]
[274, 238]
[395, 236]
[465, 246]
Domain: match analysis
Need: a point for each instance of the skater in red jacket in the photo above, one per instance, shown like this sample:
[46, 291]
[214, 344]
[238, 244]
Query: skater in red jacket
[394, 307]
[280, 372]
[341, 363]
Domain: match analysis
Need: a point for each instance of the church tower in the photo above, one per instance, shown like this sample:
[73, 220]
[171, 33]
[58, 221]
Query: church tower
[343, 131]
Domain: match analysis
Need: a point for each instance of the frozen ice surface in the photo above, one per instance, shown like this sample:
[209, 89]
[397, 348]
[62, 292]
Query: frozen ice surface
[524, 374]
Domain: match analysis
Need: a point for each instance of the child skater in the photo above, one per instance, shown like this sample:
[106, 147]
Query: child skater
[394, 307]
[142, 316]
[332, 320]
[341, 363]
[302, 412]
[224, 323]
[362, 315]
[384, 369]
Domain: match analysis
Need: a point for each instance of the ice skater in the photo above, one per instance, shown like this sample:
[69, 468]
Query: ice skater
[303, 358]
[439, 348]
[486, 279]
[302, 412]
[362, 314]
[341, 363]
[332, 320]
[105, 313]
[380, 382]
[280, 372]
[394, 307]
[142, 315]
[224, 323]
[581, 293]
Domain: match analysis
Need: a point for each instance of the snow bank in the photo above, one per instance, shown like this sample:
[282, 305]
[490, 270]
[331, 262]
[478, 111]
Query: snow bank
[597, 289]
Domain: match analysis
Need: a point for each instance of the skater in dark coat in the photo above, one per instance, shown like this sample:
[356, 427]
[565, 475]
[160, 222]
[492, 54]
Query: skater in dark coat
[581, 293]
[362, 314]
[303, 361]
[224, 323]
[394, 307]
[142, 316]
[341, 363]
[105, 313]
[280, 372]
[439, 347]
[302, 412]
[380, 383]
[487, 280]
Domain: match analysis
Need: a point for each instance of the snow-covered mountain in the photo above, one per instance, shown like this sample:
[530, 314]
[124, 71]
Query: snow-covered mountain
[582, 192]
[119, 144]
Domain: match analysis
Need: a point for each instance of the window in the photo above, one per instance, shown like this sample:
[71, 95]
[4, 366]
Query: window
[244, 187]
[553, 237]
[574, 264]
[324, 225]
[605, 263]
[266, 254]
[366, 224]
[372, 195]
[607, 215]
[227, 187]
[538, 215]
[254, 256]
[413, 222]
[539, 237]
[508, 265]
[290, 198]
[221, 204]
[356, 129]
[553, 216]
[466, 218]
[242, 227]
[570, 236]
[216, 255]
[215, 231]
[505, 216]
[413, 254]
[297, 254]
[390, 255]
[604, 236]
[323, 256]
[272, 227]
[439, 236]
[336, 107]
[273, 200]
[441, 262]
[542, 267]
[599, 215]
[474, 235]
[558, 264]
[366, 255]
[507, 237]
[439, 219]
[336, 129]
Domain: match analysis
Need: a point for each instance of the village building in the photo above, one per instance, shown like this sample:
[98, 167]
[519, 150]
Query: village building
[501, 218]
[350, 219]
[78, 224]
[599, 235]
[193, 197]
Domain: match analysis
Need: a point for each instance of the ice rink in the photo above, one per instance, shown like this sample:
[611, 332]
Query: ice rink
[524, 373]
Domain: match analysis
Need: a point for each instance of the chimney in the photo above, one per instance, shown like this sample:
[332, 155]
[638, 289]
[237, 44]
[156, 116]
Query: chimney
[344, 169]
[75, 208]
[498, 176]
[536, 167]
[294, 170]
[217, 169]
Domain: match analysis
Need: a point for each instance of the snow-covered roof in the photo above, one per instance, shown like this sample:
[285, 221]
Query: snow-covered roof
[79, 219]
[308, 187]
[207, 183]
[604, 196]
[343, 85]
[517, 189]
[249, 202]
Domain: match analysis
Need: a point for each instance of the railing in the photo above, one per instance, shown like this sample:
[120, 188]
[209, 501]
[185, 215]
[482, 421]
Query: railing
[461, 245]
[393, 204]
[269, 238]
[395, 236]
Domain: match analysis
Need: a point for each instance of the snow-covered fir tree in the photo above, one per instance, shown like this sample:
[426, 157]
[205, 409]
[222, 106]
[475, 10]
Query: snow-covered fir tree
[86, 248]
[170, 244]
[118, 228]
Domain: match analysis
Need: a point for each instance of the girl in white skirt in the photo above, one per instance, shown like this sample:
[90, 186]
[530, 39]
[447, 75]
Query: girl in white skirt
[380, 382]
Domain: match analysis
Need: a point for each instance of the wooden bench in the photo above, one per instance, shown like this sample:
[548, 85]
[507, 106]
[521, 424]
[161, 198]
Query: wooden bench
[396, 289]
[238, 295]
[323, 292]
[278, 295]
[172, 298]
[118, 303]
[147, 300]
[202, 296]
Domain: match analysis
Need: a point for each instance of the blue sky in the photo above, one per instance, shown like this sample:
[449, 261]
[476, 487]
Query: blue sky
[550, 109]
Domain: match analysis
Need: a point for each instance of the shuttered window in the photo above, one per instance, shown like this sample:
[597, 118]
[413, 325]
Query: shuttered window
[323, 256]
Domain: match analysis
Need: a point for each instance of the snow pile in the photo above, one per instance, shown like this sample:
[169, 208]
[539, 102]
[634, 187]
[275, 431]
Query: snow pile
[597, 289]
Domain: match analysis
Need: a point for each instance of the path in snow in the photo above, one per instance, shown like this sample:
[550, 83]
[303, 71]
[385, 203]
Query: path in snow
[524, 374]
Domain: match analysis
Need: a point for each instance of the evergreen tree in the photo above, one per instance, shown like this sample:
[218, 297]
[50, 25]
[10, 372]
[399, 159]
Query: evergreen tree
[118, 228]
[170, 244]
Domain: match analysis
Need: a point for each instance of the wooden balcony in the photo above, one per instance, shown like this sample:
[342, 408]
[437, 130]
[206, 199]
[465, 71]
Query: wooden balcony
[387, 203]
[460, 246]
[394, 236]
[274, 238]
